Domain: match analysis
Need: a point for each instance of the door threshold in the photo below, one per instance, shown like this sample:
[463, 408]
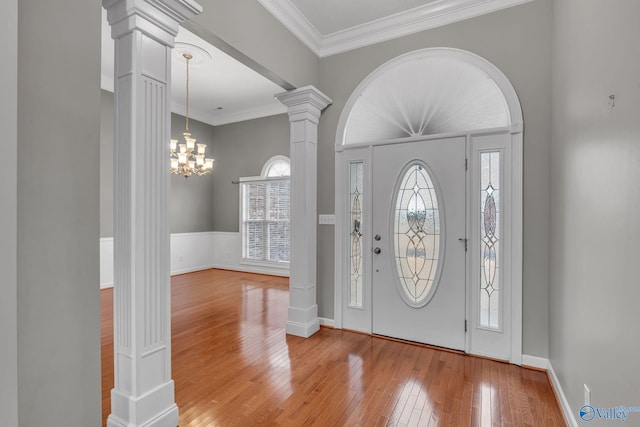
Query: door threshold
[419, 344]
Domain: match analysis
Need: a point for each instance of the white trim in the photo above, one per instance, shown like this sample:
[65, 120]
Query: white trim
[431, 15]
[196, 250]
[329, 323]
[503, 83]
[564, 403]
[515, 169]
[227, 255]
[252, 269]
[201, 251]
[545, 364]
[106, 262]
[535, 362]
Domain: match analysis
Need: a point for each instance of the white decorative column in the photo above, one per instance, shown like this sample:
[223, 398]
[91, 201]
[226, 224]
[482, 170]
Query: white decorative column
[144, 32]
[304, 107]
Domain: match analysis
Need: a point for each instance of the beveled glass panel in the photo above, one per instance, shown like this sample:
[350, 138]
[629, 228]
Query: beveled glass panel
[417, 235]
[356, 178]
[490, 316]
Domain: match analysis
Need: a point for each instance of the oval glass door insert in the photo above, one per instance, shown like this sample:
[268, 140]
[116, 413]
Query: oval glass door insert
[417, 232]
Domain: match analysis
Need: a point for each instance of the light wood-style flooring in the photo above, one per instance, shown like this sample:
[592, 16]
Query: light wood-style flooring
[233, 365]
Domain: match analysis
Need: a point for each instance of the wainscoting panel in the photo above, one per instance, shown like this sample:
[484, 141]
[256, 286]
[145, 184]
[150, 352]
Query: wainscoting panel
[193, 252]
[227, 255]
[106, 262]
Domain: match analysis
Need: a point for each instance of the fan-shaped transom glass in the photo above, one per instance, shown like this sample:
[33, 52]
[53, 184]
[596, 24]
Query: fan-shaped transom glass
[279, 167]
[417, 232]
[426, 95]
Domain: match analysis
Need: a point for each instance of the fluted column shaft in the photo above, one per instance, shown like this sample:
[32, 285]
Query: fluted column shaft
[144, 32]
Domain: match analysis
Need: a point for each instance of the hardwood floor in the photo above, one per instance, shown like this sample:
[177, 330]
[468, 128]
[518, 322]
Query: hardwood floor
[233, 365]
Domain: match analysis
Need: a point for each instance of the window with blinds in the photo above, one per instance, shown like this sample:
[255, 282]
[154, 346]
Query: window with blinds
[265, 216]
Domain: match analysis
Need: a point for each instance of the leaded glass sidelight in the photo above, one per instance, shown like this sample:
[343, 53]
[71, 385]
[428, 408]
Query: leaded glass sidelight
[417, 235]
[356, 178]
[490, 259]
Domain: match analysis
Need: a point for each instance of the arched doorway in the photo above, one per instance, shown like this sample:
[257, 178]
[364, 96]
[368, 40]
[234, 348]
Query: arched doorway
[429, 205]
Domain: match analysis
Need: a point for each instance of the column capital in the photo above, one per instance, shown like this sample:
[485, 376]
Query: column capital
[158, 19]
[304, 103]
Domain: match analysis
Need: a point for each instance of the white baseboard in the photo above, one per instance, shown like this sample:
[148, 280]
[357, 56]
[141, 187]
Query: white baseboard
[564, 403]
[252, 269]
[535, 362]
[542, 363]
[194, 252]
[227, 255]
[330, 323]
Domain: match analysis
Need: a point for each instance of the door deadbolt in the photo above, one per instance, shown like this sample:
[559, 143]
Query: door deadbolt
[377, 237]
[377, 251]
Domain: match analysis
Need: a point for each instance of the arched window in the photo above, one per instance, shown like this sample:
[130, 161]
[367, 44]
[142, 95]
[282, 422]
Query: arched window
[276, 166]
[265, 214]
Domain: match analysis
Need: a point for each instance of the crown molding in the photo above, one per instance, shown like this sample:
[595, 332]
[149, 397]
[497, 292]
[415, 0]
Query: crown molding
[249, 114]
[221, 118]
[401, 24]
[293, 20]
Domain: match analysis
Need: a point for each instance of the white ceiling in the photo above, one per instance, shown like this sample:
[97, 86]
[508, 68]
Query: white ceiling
[220, 81]
[329, 27]
[330, 16]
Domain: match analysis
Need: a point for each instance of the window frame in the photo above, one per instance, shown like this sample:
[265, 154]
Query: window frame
[279, 265]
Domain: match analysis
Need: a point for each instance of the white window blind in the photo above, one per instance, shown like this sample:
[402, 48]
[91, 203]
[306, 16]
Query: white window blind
[265, 219]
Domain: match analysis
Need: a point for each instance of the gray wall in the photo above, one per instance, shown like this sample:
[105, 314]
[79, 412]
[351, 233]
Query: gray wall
[517, 41]
[58, 213]
[248, 27]
[8, 216]
[191, 202]
[242, 149]
[595, 202]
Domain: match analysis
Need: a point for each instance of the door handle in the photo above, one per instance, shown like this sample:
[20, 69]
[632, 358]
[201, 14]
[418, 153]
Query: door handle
[377, 251]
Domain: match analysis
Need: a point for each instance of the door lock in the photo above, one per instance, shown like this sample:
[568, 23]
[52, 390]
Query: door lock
[377, 237]
[376, 251]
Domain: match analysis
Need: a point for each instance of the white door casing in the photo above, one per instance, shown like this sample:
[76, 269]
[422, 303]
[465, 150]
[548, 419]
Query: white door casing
[368, 109]
[437, 315]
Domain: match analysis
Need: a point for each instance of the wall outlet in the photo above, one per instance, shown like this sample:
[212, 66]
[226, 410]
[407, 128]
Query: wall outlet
[587, 395]
[327, 219]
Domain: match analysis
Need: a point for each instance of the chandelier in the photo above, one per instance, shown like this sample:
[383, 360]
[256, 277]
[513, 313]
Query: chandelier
[183, 157]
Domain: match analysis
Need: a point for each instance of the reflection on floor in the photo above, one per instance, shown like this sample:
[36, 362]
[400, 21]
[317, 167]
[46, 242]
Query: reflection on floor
[233, 365]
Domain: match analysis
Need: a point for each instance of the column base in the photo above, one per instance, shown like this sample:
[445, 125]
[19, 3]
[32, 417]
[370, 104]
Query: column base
[154, 409]
[303, 322]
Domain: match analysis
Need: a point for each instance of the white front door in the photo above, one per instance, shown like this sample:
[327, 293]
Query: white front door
[418, 244]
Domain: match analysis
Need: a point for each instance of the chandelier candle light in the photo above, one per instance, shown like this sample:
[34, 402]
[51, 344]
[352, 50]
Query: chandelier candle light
[184, 160]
